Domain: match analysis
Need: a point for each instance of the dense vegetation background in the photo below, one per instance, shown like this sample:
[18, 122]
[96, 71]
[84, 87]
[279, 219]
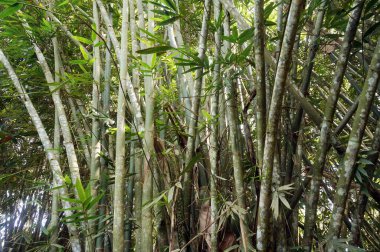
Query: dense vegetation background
[189, 125]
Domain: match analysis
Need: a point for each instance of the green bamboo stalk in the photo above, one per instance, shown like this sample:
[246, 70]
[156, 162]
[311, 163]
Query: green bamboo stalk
[312, 202]
[347, 168]
[214, 148]
[192, 130]
[106, 146]
[273, 118]
[95, 130]
[306, 79]
[260, 77]
[149, 151]
[230, 92]
[120, 169]
[48, 147]
[53, 225]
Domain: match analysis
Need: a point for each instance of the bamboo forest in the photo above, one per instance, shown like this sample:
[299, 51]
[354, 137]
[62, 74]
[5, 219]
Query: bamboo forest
[189, 125]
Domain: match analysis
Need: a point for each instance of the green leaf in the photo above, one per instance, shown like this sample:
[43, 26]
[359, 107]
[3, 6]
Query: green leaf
[312, 6]
[45, 231]
[159, 4]
[372, 30]
[168, 21]
[86, 202]
[10, 10]
[84, 53]
[371, 5]
[9, 2]
[206, 115]
[73, 216]
[80, 191]
[154, 201]
[67, 180]
[57, 246]
[71, 200]
[93, 34]
[245, 35]
[156, 49]
[70, 208]
[152, 37]
[186, 64]
[365, 161]
[235, 33]
[83, 40]
[88, 191]
[171, 4]
[362, 171]
[247, 51]
[230, 38]
[219, 21]
[359, 177]
[63, 3]
[269, 9]
[56, 188]
[94, 201]
[269, 23]
[78, 62]
[99, 44]
[192, 69]
[164, 13]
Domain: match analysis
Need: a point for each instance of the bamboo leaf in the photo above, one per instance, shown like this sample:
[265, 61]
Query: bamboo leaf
[93, 34]
[275, 205]
[245, 36]
[192, 69]
[70, 209]
[269, 23]
[154, 201]
[363, 171]
[84, 53]
[67, 180]
[83, 40]
[284, 201]
[80, 191]
[78, 62]
[156, 49]
[10, 10]
[171, 194]
[57, 246]
[88, 190]
[364, 161]
[63, 3]
[178, 184]
[287, 187]
[168, 21]
[94, 201]
[269, 9]
[232, 248]
[164, 13]
[71, 200]
[171, 4]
